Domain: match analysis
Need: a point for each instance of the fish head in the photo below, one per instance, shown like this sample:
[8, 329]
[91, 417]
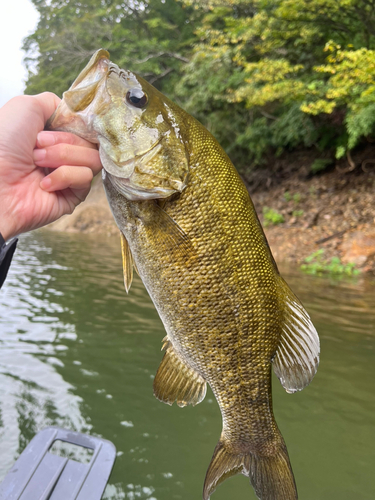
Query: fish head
[141, 144]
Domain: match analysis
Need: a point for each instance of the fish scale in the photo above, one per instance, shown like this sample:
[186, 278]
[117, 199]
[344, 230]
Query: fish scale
[190, 229]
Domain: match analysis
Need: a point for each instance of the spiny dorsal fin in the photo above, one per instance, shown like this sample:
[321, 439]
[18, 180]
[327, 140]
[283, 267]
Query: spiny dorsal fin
[127, 263]
[297, 357]
[175, 380]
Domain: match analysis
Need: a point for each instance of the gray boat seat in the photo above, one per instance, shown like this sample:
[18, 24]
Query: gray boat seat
[40, 474]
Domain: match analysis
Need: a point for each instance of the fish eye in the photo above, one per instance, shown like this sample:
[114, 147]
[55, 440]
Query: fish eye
[137, 98]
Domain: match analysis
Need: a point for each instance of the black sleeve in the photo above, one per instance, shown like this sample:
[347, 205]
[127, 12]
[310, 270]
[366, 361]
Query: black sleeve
[6, 254]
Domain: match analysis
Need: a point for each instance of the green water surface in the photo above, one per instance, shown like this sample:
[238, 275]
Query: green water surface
[76, 351]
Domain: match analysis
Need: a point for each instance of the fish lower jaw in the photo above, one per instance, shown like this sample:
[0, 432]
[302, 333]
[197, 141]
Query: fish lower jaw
[136, 193]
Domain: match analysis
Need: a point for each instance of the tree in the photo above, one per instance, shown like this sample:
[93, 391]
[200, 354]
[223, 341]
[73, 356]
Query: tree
[304, 70]
[263, 75]
[150, 37]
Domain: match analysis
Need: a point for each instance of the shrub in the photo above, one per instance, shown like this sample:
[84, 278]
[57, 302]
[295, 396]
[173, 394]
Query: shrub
[272, 217]
[317, 264]
[297, 213]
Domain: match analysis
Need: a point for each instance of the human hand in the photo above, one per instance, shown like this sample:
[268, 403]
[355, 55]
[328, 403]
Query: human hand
[28, 197]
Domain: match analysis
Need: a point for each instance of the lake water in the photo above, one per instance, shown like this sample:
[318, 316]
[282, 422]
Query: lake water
[77, 352]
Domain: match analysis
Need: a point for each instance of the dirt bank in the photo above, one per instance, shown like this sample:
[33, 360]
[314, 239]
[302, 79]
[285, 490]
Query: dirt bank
[334, 211]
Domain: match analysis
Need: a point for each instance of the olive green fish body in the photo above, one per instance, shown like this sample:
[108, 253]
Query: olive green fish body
[190, 230]
[217, 298]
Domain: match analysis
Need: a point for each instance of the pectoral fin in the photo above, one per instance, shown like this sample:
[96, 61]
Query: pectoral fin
[127, 263]
[297, 357]
[175, 380]
[171, 236]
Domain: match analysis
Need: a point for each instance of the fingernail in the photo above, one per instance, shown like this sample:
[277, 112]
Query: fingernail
[39, 154]
[46, 183]
[45, 139]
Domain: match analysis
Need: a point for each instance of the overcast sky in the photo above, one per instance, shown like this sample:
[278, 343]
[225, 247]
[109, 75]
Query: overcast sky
[18, 18]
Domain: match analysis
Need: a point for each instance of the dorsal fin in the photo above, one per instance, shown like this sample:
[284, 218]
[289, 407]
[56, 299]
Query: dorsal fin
[297, 357]
[175, 380]
[127, 263]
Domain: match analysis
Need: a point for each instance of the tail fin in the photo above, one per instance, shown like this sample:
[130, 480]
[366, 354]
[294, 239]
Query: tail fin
[271, 476]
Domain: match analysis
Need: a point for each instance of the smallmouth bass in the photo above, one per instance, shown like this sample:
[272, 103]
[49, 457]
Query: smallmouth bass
[190, 230]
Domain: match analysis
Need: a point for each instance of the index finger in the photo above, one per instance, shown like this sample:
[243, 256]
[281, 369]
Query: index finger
[28, 114]
[51, 138]
[48, 103]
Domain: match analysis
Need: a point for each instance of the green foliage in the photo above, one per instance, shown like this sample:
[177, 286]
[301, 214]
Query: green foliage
[292, 128]
[271, 217]
[150, 37]
[360, 123]
[304, 69]
[316, 263]
[297, 213]
[296, 197]
[287, 196]
[263, 75]
[320, 164]
[350, 84]
[340, 152]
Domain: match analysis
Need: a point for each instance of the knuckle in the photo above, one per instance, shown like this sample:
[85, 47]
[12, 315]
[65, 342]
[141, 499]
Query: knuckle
[22, 99]
[83, 194]
[65, 138]
[89, 174]
[46, 94]
[49, 96]
[63, 151]
[71, 138]
[64, 174]
[72, 206]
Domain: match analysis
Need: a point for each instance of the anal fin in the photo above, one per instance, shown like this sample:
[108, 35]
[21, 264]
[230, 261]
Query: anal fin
[297, 357]
[175, 380]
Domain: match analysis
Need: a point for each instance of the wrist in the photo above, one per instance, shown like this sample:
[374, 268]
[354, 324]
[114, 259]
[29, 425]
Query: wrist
[6, 229]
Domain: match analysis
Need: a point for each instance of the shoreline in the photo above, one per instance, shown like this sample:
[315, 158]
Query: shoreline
[333, 211]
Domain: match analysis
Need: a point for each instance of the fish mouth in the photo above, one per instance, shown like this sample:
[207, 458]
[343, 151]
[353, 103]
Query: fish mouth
[95, 69]
[80, 95]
